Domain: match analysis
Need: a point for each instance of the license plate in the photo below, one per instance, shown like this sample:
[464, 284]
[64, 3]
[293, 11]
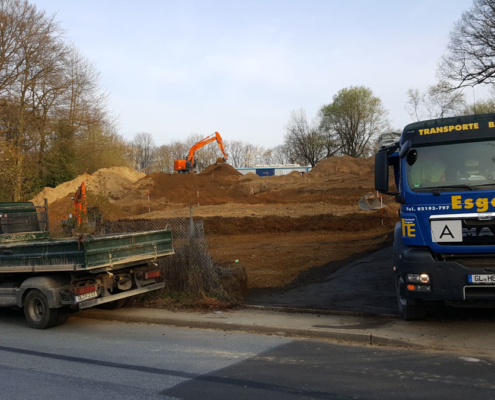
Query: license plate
[482, 279]
[446, 231]
[86, 296]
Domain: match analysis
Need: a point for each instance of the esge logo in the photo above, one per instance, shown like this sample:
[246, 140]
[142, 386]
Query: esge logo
[481, 204]
[408, 227]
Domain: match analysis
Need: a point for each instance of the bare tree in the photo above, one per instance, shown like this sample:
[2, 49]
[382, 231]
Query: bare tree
[280, 155]
[237, 150]
[144, 151]
[437, 101]
[163, 160]
[470, 56]
[306, 140]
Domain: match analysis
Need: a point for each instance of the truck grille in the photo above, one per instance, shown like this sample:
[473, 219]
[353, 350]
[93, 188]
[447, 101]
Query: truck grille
[479, 293]
[476, 262]
[475, 233]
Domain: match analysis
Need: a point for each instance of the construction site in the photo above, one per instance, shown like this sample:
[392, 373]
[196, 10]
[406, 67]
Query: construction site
[275, 227]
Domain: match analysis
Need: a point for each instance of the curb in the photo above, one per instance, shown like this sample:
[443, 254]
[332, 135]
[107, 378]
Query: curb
[358, 338]
[321, 312]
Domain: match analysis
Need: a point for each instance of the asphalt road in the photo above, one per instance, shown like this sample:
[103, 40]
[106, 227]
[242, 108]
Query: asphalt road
[86, 359]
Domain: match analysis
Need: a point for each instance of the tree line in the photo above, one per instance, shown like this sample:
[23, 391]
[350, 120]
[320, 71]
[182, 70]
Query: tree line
[55, 123]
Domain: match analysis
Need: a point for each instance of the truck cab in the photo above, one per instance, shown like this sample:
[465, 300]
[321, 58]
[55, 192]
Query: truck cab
[444, 243]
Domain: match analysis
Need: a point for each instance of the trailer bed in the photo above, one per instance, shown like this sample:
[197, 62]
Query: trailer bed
[89, 253]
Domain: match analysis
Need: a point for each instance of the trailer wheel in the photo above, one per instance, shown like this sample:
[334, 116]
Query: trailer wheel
[63, 316]
[407, 310]
[38, 314]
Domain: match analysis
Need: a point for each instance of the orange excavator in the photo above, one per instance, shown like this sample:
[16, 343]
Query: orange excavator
[188, 165]
[80, 206]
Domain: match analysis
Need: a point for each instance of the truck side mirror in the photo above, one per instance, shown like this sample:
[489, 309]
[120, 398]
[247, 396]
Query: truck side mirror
[381, 171]
[405, 149]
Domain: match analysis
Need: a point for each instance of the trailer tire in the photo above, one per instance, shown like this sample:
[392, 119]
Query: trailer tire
[37, 312]
[407, 310]
[63, 316]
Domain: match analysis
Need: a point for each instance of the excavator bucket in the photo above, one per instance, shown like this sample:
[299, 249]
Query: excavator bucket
[368, 203]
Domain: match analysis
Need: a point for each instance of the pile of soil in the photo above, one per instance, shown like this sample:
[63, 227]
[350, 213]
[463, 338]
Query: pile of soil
[220, 170]
[184, 189]
[344, 165]
[110, 181]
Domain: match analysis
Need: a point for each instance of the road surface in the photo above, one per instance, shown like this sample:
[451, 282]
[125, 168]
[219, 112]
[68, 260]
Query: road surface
[88, 359]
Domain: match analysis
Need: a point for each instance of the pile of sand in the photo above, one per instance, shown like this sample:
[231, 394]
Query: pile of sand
[342, 165]
[110, 181]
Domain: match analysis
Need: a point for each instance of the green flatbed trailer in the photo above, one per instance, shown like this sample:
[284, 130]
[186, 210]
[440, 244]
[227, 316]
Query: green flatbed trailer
[52, 278]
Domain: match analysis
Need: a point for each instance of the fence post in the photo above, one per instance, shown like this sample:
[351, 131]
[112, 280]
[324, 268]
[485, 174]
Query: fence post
[47, 226]
[191, 223]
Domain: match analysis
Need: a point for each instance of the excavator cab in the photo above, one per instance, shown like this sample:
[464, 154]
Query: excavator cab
[188, 165]
[183, 166]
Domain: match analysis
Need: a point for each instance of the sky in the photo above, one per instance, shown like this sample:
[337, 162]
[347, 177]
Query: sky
[173, 68]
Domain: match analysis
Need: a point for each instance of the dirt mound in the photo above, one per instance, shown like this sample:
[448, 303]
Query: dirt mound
[112, 181]
[220, 170]
[342, 165]
[184, 188]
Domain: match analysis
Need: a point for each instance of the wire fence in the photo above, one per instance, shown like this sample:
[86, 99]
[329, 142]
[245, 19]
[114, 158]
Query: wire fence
[191, 268]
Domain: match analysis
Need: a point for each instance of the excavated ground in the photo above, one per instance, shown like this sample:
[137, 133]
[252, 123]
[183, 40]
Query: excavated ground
[275, 226]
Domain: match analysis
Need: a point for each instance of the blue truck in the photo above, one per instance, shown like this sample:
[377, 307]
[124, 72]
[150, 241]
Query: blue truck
[444, 243]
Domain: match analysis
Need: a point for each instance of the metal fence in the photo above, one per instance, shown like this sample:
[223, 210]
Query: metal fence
[191, 268]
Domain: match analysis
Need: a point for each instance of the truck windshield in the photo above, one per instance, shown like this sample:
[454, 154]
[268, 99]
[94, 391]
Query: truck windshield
[459, 166]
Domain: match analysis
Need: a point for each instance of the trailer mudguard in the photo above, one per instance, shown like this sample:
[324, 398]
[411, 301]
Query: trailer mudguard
[48, 285]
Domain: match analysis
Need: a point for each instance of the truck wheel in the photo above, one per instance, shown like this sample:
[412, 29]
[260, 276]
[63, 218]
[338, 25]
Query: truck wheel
[38, 314]
[63, 316]
[407, 310]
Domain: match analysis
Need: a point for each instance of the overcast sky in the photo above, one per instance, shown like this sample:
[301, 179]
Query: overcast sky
[239, 67]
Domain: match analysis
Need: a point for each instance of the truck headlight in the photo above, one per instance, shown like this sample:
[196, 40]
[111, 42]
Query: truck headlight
[419, 278]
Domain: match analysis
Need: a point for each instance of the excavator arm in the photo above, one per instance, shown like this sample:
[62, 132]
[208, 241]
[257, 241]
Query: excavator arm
[216, 136]
[187, 165]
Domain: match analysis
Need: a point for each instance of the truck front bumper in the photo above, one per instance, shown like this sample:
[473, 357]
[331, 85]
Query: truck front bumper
[449, 279]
